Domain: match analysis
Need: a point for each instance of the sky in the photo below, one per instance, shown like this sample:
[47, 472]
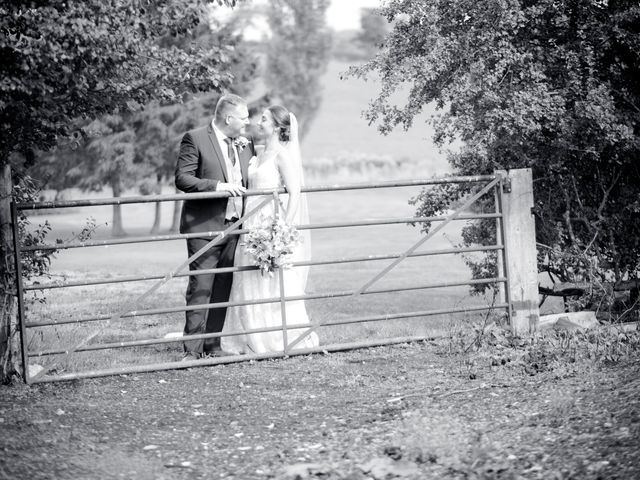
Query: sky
[341, 15]
[345, 14]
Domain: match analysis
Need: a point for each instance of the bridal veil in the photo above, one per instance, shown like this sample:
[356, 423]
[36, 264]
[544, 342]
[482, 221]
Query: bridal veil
[303, 251]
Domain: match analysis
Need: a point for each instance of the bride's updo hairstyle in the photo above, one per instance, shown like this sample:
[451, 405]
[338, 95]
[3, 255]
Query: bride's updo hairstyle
[282, 122]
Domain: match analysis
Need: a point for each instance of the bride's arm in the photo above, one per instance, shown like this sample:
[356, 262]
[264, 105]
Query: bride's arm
[292, 182]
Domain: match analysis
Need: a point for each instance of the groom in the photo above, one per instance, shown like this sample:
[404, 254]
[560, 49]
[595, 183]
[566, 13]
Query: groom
[212, 159]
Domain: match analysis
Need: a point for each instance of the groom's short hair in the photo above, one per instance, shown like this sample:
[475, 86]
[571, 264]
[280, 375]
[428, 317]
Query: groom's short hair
[228, 102]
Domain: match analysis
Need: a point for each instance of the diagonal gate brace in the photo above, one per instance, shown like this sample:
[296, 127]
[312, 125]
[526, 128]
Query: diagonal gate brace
[157, 285]
[448, 220]
[363, 289]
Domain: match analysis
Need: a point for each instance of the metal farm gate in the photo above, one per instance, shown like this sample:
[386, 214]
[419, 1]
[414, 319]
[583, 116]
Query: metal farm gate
[516, 281]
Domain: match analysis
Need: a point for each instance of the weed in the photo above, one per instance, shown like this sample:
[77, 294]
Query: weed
[565, 352]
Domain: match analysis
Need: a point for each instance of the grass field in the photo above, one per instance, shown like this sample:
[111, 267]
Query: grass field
[339, 127]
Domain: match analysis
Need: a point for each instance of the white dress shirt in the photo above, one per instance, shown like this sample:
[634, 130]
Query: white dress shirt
[234, 174]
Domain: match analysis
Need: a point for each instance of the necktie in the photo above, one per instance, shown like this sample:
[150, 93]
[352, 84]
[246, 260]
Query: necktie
[230, 150]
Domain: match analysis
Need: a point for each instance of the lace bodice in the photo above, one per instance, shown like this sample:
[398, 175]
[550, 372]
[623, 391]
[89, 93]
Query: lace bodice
[263, 173]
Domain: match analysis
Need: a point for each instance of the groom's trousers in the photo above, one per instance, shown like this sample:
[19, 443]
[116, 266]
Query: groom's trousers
[208, 288]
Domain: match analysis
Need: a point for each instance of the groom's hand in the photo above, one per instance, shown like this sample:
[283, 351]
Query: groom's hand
[232, 188]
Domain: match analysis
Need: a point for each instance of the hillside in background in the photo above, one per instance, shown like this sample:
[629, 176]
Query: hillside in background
[339, 132]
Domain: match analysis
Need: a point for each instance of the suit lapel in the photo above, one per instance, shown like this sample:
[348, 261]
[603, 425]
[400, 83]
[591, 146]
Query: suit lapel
[218, 153]
[244, 164]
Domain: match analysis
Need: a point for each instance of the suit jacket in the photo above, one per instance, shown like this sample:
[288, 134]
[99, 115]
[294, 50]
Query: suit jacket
[200, 167]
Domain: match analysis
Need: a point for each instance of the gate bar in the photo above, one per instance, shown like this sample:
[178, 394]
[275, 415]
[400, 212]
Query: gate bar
[313, 296]
[505, 254]
[308, 263]
[215, 233]
[283, 301]
[19, 291]
[431, 233]
[206, 195]
[161, 341]
[325, 349]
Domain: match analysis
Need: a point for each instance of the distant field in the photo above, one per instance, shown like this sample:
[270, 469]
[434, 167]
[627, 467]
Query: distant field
[339, 127]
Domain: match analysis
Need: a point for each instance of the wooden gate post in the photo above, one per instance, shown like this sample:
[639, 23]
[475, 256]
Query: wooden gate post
[7, 275]
[520, 249]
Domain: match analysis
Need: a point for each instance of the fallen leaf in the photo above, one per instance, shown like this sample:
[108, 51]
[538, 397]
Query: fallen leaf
[40, 422]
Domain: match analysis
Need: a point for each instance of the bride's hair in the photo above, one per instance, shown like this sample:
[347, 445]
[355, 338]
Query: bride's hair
[282, 121]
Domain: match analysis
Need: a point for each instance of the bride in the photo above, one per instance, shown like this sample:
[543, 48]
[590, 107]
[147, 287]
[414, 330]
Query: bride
[278, 165]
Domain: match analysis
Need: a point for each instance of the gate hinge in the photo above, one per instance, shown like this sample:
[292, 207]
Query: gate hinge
[506, 184]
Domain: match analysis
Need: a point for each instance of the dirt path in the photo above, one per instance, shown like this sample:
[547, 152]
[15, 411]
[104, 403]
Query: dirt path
[402, 411]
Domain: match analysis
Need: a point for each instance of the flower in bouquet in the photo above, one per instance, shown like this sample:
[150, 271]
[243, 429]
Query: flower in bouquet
[271, 243]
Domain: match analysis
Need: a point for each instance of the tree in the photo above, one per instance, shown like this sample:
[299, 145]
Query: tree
[111, 160]
[64, 60]
[373, 30]
[69, 59]
[151, 135]
[297, 56]
[157, 138]
[551, 85]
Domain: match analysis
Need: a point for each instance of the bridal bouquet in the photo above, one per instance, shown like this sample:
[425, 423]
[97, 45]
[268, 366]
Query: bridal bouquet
[271, 242]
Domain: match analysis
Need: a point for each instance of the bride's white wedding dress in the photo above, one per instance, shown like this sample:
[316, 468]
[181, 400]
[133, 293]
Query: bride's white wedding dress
[263, 173]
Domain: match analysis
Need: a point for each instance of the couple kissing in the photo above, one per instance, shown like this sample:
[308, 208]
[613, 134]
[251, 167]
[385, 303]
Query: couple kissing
[218, 158]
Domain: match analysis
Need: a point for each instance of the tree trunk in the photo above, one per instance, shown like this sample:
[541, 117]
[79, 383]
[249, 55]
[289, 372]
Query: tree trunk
[7, 277]
[158, 211]
[177, 209]
[156, 222]
[117, 230]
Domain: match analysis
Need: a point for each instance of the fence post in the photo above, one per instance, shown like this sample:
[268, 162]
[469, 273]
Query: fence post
[520, 249]
[7, 276]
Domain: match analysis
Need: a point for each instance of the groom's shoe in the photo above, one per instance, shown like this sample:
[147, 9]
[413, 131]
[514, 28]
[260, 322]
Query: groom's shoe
[190, 356]
[214, 352]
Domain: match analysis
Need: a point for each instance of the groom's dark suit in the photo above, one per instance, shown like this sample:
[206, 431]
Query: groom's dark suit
[201, 166]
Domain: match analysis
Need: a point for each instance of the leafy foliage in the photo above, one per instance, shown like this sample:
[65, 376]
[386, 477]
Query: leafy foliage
[127, 149]
[64, 60]
[552, 86]
[559, 350]
[34, 263]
